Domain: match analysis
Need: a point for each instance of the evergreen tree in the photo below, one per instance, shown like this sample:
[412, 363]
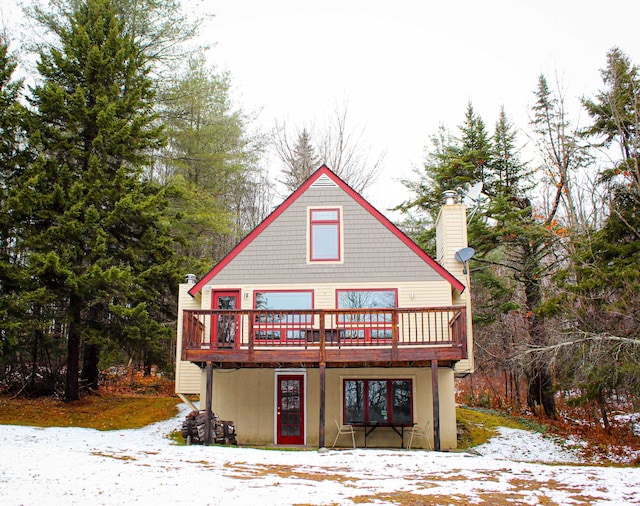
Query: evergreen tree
[602, 362]
[94, 238]
[471, 165]
[210, 160]
[513, 249]
[509, 176]
[451, 164]
[159, 28]
[428, 188]
[300, 161]
[12, 156]
[21, 338]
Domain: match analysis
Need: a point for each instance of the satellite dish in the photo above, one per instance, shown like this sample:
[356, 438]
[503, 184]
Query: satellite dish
[472, 197]
[474, 200]
[464, 255]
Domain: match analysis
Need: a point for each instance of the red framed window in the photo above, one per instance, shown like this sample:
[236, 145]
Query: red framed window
[284, 315]
[366, 326]
[378, 401]
[324, 235]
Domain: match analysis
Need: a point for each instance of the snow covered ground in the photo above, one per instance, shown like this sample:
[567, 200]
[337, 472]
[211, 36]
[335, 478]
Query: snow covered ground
[69, 466]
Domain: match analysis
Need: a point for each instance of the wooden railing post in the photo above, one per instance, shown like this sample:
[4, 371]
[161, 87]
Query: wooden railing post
[463, 332]
[323, 338]
[251, 315]
[394, 335]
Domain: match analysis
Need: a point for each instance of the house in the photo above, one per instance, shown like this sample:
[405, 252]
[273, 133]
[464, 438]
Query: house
[328, 314]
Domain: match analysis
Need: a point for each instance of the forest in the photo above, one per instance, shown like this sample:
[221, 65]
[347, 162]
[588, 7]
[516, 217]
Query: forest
[124, 165]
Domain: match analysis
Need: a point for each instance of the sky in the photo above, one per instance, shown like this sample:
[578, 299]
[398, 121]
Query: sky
[76, 466]
[401, 69]
[404, 68]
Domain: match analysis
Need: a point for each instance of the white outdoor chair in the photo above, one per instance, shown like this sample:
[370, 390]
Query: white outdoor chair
[344, 430]
[422, 431]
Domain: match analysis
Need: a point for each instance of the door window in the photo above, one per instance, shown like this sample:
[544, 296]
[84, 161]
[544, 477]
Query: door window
[225, 325]
[290, 409]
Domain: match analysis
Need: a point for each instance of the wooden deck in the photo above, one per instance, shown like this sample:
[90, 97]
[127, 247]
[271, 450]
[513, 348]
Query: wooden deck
[335, 338]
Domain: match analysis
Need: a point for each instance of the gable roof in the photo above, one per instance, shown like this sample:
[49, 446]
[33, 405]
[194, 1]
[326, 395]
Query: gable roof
[319, 177]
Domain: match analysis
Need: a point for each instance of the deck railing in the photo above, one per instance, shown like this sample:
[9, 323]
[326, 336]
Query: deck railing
[327, 329]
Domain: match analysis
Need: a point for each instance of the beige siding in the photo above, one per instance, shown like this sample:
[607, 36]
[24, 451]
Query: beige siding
[410, 294]
[188, 375]
[247, 396]
[451, 233]
[372, 253]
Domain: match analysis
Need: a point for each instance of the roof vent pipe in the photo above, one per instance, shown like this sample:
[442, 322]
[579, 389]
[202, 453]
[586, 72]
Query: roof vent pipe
[190, 279]
[450, 197]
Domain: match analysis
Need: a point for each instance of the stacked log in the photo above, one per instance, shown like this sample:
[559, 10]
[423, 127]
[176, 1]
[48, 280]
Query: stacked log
[195, 425]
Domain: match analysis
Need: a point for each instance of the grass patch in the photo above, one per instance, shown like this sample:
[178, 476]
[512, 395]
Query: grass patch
[476, 426]
[176, 437]
[97, 412]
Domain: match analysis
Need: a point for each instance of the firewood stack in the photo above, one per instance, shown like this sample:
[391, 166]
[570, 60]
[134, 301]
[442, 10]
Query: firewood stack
[194, 429]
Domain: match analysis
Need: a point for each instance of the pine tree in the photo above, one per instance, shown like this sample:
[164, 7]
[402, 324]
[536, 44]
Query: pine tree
[602, 363]
[12, 155]
[297, 155]
[95, 234]
[513, 250]
[21, 340]
[451, 164]
[210, 160]
[301, 162]
[475, 151]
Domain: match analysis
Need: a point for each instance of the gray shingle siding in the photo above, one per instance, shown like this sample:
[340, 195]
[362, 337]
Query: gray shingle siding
[372, 253]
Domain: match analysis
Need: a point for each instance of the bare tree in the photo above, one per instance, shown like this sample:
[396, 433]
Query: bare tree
[301, 151]
[343, 150]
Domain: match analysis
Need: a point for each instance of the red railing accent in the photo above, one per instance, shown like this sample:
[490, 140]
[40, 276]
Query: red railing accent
[324, 328]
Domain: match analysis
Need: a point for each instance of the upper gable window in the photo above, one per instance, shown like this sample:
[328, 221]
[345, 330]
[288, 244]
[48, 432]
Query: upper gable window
[325, 235]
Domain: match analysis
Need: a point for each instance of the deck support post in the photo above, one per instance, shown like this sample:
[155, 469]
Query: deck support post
[323, 380]
[208, 404]
[436, 405]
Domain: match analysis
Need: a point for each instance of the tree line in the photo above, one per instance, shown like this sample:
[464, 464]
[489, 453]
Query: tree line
[125, 165]
[557, 267]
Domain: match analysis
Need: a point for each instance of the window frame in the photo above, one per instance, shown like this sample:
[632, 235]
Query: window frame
[366, 402]
[269, 331]
[313, 222]
[366, 329]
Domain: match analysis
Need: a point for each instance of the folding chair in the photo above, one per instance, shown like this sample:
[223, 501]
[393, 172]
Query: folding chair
[344, 430]
[422, 431]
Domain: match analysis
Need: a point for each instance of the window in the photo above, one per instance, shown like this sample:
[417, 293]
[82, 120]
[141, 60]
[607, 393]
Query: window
[324, 235]
[282, 318]
[370, 325]
[377, 401]
[359, 299]
[284, 299]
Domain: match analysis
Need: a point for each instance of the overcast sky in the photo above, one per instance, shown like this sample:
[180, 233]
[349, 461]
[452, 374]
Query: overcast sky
[405, 67]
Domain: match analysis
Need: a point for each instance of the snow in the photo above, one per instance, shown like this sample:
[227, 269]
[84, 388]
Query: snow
[71, 466]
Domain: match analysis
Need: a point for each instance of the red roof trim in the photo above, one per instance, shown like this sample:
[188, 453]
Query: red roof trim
[325, 171]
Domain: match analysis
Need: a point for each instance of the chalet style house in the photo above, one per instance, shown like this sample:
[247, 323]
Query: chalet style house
[328, 315]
